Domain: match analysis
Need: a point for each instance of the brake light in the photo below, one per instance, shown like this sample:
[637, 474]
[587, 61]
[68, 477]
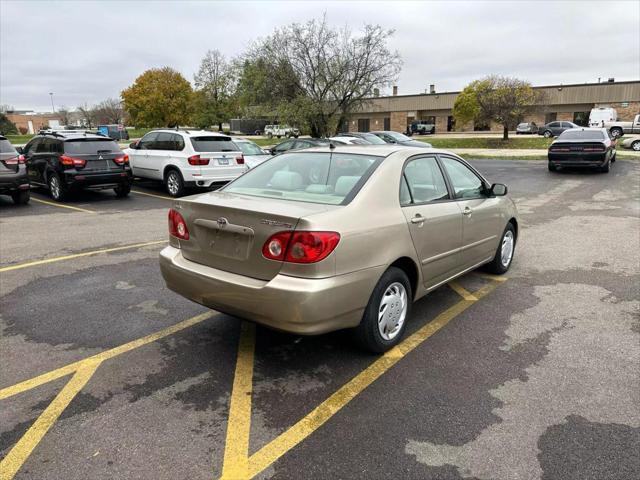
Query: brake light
[123, 160]
[559, 149]
[594, 149]
[70, 161]
[177, 225]
[196, 160]
[240, 159]
[300, 247]
[15, 160]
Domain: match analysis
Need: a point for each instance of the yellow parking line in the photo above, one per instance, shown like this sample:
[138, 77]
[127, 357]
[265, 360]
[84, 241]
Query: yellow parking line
[236, 452]
[61, 205]
[152, 195]
[237, 467]
[107, 354]
[463, 292]
[16, 457]
[77, 255]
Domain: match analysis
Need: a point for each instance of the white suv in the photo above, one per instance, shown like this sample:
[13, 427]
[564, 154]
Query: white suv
[186, 158]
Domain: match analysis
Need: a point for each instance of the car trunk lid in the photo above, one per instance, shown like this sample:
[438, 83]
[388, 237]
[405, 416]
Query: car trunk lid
[98, 154]
[227, 231]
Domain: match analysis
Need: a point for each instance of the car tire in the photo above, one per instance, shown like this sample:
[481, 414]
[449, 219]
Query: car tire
[552, 167]
[635, 146]
[385, 316]
[606, 167]
[174, 183]
[57, 190]
[504, 253]
[21, 197]
[616, 132]
[547, 134]
[269, 135]
[613, 159]
[122, 190]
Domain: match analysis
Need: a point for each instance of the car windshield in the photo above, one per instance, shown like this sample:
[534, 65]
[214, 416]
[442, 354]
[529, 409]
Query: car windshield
[248, 148]
[581, 135]
[316, 177]
[373, 139]
[213, 144]
[82, 146]
[523, 125]
[6, 147]
[399, 137]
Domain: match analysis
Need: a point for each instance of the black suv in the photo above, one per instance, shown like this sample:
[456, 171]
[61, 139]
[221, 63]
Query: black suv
[14, 180]
[72, 161]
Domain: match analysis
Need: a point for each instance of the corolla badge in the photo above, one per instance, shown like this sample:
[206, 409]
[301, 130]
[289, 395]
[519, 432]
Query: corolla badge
[275, 223]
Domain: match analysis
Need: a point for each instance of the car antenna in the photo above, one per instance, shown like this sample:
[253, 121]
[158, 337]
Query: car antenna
[332, 147]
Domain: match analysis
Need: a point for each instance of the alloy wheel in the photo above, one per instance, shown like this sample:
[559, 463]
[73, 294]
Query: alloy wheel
[173, 183]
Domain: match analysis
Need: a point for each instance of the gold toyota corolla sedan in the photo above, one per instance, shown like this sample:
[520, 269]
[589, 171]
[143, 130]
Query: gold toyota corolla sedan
[331, 238]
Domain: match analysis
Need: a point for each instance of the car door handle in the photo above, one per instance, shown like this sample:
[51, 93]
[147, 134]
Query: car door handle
[418, 219]
[467, 211]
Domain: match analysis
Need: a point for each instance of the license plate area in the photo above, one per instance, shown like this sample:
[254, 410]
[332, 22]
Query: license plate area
[223, 161]
[222, 239]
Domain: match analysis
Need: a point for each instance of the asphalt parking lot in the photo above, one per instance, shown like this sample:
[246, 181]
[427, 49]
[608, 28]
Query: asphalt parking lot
[107, 374]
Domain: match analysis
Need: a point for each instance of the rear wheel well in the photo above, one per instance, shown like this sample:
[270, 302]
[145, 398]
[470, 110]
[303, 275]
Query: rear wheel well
[409, 267]
[168, 168]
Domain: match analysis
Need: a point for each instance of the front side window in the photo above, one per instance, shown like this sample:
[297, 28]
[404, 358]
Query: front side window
[554, 124]
[424, 181]
[316, 177]
[465, 183]
[148, 141]
[32, 146]
[248, 148]
[284, 146]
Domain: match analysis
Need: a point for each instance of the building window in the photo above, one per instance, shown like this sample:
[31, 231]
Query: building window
[363, 125]
[550, 117]
[451, 123]
[387, 123]
[581, 118]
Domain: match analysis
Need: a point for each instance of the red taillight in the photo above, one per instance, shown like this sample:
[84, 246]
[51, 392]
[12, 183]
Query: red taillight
[196, 160]
[300, 247]
[123, 160]
[240, 159]
[15, 160]
[593, 149]
[70, 161]
[559, 149]
[177, 225]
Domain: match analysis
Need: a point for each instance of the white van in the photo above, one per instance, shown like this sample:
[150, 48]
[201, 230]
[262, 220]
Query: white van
[602, 114]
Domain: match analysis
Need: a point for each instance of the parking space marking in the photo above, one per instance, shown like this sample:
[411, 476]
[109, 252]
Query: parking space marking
[152, 195]
[34, 263]
[83, 370]
[463, 292]
[237, 467]
[62, 205]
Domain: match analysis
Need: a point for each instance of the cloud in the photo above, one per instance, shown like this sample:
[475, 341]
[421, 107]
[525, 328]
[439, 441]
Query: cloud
[88, 51]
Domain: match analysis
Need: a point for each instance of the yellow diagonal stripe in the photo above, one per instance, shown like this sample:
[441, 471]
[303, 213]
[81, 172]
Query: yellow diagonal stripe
[62, 205]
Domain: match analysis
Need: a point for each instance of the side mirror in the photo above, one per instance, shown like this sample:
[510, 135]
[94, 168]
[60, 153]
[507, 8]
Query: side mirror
[133, 145]
[498, 190]
[20, 150]
[273, 151]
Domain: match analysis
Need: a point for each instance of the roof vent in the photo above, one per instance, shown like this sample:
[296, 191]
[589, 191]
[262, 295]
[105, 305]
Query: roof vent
[611, 80]
[432, 88]
[395, 90]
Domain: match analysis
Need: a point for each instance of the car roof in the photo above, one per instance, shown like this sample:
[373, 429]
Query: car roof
[191, 133]
[73, 136]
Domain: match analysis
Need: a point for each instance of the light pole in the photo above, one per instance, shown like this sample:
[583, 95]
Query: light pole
[52, 107]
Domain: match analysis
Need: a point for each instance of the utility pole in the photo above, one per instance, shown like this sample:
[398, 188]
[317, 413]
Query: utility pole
[52, 107]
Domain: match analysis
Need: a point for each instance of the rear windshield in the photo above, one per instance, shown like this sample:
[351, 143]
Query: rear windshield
[249, 148]
[315, 177]
[90, 146]
[213, 144]
[523, 124]
[6, 147]
[581, 135]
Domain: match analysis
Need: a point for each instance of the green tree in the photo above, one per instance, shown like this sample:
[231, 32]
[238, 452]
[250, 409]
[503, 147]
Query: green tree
[7, 127]
[503, 100]
[214, 100]
[160, 97]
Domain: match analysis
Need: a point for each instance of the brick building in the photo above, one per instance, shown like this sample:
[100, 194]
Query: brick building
[561, 102]
[31, 122]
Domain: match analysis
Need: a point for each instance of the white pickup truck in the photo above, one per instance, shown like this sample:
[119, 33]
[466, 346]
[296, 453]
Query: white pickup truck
[281, 131]
[617, 129]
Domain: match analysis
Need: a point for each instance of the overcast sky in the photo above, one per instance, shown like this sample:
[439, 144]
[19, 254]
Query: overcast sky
[88, 51]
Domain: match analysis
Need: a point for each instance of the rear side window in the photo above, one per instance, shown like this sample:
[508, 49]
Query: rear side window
[168, 141]
[90, 146]
[213, 144]
[582, 135]
[6, 147]
[315, 177]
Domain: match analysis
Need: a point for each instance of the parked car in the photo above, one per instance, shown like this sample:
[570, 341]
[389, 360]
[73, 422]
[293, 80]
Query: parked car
[116, 132]
[400, 139]
[598, 116]
[349, 140]
[186, 158]
[553, 129]
[299, 144]
[632, 142]
[67, 162]
[526, 128]
[369, 137]
[253, 154]
[618, 129]
[279, 131]
[422, 127]
[353, 247]
[582, 147]
[14, 180]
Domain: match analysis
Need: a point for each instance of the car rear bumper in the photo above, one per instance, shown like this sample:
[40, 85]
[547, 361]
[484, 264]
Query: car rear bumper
[97, 179]
[298, 305]
[12, 182]
[578, 160]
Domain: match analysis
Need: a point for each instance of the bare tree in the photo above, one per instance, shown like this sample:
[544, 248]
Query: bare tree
[63, 112]
[324, 73]
[215, 86]
[109, 111]
[88, 115]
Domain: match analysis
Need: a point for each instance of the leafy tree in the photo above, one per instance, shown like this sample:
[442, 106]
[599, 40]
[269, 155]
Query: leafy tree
[160, 97]
[7, 127]
[503, 100]
[315, 73]
[214, 101]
